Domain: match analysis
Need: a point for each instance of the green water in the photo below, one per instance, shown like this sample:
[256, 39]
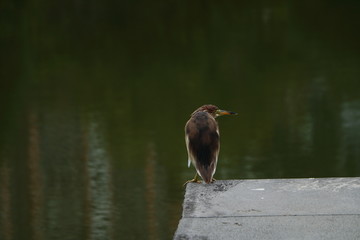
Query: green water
[94, 97]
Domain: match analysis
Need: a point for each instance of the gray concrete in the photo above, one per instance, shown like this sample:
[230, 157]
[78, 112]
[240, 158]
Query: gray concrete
[325, 208]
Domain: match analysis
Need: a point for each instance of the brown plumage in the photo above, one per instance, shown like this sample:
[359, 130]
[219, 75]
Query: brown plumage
[203, 140]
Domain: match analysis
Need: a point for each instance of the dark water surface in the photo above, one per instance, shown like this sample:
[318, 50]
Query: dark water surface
[94, 97]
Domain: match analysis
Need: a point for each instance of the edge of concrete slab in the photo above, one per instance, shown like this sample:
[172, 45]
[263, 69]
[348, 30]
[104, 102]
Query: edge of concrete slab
[272, 209]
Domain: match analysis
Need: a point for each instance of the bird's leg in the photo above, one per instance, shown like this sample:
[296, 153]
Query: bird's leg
[195, 179]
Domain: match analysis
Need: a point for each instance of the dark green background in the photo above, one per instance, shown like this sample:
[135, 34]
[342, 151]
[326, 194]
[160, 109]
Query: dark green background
[94, 96]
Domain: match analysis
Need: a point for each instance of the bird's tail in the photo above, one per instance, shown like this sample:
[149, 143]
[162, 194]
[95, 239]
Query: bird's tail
[206, 172]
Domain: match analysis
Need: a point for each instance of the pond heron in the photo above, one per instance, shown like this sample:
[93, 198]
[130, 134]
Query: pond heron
[203, 142]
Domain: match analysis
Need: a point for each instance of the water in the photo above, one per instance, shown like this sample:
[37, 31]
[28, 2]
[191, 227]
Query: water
[94, 98]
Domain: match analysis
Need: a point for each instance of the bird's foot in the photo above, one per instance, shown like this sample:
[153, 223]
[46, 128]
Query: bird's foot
[213, 180]
[192, 180]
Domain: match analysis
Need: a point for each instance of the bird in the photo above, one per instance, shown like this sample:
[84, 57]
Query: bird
[202, 140]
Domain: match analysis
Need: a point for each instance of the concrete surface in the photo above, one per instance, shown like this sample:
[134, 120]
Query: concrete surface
[325, 208]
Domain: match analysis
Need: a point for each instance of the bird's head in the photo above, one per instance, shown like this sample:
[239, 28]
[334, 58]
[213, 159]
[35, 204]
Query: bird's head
[213, 111]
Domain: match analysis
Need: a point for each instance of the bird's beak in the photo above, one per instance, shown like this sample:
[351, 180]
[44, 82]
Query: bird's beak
[224, 112]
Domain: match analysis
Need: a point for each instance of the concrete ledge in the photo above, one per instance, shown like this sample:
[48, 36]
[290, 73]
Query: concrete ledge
[326, 208]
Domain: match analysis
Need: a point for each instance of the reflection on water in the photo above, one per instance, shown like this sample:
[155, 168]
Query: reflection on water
[350, 137]
[94, 98]
[99, 198]
[34, 181]
[150, 195]
[5, 207]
